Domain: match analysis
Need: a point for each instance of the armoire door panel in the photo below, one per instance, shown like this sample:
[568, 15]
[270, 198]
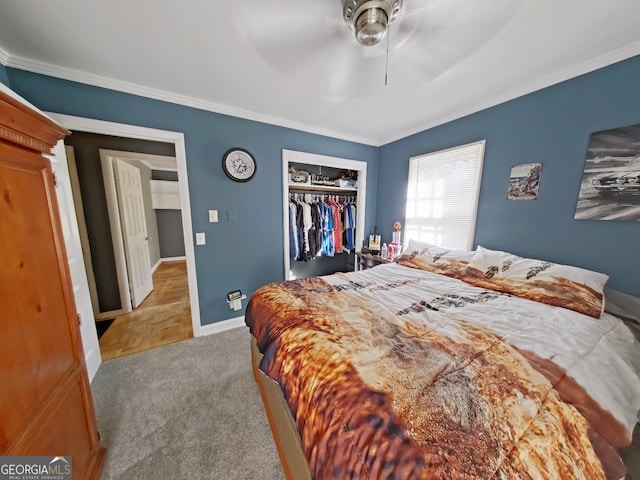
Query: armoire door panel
[63, 429]
[39, 350]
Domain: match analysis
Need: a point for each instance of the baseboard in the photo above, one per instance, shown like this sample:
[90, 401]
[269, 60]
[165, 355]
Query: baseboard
[110, 314]
[220, 326]
[167, 260]
[155, 267]
[173, 259]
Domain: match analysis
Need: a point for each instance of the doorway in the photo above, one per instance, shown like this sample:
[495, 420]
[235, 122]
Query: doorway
[143, 201]
[176, 141]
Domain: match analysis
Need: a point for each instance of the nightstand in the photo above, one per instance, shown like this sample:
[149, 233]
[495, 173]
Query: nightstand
[367, 260]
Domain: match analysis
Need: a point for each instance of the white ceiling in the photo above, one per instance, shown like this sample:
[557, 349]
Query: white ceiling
[294, 63]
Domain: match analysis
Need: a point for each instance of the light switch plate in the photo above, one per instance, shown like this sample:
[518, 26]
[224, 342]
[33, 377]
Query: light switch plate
[213, 216]
[200, 238]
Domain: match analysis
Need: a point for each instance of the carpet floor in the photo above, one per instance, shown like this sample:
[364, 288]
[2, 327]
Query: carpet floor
[189, 410]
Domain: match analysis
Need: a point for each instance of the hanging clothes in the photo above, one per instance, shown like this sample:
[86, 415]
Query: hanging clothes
[349, 227]
[320, 226]
[328, 249]
[315, 234]
[311, 219]
[336, 234]
[300, 230]
[354, 221]
[294, 249]
[307, 225]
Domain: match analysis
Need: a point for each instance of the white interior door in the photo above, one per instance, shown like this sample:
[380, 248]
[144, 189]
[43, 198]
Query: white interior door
[73, 246]
[134, 230]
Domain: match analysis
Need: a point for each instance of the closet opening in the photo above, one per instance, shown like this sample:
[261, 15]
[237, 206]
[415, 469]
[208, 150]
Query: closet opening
[323, 207]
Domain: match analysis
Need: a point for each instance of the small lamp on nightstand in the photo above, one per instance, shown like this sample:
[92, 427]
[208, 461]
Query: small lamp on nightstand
[396, 243]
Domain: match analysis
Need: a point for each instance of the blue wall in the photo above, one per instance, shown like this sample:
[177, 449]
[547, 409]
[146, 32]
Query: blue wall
[242, 254]
[551, 126]
[4, 75]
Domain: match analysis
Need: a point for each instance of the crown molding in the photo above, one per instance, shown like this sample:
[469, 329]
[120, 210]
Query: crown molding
[591, 65]
[44, 68]
[64, 73]
[4, 57]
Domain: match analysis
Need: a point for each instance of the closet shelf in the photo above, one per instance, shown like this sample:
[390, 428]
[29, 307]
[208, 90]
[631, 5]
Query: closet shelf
[321, 188]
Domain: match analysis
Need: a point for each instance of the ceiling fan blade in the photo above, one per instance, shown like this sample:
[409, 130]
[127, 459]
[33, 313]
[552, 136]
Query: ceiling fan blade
[295, 38]
[259, 18]
[308, 42]
[356, 71]
[433, 37]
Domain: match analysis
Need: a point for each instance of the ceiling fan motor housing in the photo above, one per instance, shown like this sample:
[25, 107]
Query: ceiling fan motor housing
[370, 18]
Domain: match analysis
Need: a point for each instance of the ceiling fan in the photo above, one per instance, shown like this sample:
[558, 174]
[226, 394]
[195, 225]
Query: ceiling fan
[311, 43]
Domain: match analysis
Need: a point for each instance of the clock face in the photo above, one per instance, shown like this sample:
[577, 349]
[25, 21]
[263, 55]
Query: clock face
[239, 165]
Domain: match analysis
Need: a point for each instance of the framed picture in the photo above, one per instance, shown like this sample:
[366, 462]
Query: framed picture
[524, 181]
[610, 188]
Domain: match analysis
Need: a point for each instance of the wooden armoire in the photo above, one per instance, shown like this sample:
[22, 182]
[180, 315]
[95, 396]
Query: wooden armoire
[46, 408]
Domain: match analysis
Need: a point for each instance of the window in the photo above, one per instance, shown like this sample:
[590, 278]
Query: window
[442, 196]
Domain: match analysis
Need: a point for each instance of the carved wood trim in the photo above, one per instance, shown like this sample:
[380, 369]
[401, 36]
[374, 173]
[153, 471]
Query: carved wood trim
[20, 125]
[24, 140]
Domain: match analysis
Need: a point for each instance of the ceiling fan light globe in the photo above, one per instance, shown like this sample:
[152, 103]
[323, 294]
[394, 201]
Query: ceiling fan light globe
[371, 26]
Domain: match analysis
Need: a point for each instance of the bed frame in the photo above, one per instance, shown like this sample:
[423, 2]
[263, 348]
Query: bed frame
[294, 463]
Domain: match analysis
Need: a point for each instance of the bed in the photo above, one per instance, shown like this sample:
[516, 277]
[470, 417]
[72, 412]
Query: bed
[446, 364]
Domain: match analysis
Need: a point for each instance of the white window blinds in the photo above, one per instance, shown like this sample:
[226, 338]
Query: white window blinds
[442, 196]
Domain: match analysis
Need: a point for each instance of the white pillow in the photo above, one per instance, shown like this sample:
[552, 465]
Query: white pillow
[434, 259]
[556, 284]
[434, 253]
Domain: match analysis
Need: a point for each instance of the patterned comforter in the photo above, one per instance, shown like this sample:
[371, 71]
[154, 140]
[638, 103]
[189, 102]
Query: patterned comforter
[400, 373]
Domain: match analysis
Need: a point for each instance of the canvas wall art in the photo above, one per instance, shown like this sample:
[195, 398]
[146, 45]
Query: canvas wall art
[524, 181]
[610, 188]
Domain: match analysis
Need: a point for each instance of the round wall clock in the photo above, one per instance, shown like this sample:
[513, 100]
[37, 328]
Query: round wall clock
[239, 164]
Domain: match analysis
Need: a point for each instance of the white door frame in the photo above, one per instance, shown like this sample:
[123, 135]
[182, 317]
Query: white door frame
[177, 138]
